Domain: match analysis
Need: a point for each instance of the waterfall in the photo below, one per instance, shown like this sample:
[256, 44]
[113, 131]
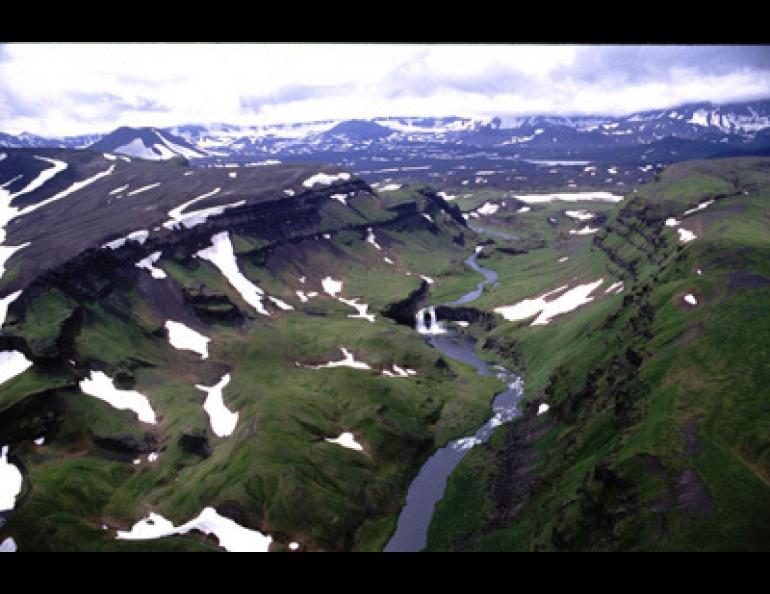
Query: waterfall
[432, 328]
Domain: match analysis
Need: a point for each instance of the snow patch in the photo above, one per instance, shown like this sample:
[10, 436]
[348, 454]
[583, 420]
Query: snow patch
[184, 338]
[305, 297]
[222, 419]
[685, 236]
[12, 363]
[331, 286]
[579, 215]
[569, 197]
[488, 208]
[6, 251]
[360, 308]
[700, 206]
[587, 230]
[231, 536]
[147, 264]
[348, 361]
[143, 189]
[546, 309]
[371, 239]
[138, 236]
[5, 303]
[346, 440]
[8, 545]
[398, 372]
[197, 217]
[102, 387]
[10, 481]
[221, 255]
[325, 179]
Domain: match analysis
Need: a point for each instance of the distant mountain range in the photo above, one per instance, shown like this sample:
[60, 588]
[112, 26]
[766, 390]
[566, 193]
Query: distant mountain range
[695, 130]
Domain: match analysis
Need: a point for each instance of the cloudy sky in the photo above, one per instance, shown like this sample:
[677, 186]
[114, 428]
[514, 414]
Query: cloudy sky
[64, 89]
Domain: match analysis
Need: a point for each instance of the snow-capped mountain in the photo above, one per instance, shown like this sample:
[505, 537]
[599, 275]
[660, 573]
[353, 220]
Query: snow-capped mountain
[147, 143]
[706, 129]
[27, 140]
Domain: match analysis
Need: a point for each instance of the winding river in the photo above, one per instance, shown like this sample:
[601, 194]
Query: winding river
[428, 487]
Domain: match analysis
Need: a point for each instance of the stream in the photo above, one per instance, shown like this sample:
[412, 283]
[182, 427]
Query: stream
[428, 487]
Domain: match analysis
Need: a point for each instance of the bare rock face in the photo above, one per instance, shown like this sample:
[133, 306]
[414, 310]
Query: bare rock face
[403, 312]
[196, 443]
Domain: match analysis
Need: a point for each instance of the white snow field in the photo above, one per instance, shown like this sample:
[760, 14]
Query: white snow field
[580, 214]
[548, 309]
[325, 179]
[223, 420]
[331, 286]
[10, 481]
[5, 302]
[348, 361]
[100, 386]
[346, 440]
[12, 363]
[185, 338]
[569, 197]
[221, 255]
[231, 536]
[148, 264]
[139, 236]
[8, 545]
[361, 309]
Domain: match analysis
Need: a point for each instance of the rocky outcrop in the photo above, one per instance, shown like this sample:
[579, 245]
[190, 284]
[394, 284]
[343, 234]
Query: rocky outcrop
[127, 445]
[404, 312]
[451, 209]
[196, 443]
[466, 314]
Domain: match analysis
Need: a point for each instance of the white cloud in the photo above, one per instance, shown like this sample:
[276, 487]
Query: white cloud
[60, 89]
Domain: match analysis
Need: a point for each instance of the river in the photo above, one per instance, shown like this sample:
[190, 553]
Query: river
[428, 487]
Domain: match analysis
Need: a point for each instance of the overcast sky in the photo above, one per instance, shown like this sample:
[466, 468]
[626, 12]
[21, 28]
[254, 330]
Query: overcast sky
[65, 89]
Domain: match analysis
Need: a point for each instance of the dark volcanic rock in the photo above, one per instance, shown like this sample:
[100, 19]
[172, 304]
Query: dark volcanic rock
[196, 443]
[451, 209]
[127, 444]
[466, 314]
[404, 312]
[37, 415]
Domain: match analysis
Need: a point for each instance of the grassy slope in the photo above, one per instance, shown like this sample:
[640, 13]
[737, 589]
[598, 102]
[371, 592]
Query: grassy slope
[275, 469]
[668, 454]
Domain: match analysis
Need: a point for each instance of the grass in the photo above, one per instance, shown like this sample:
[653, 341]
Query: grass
[697, 403]
[276, 467]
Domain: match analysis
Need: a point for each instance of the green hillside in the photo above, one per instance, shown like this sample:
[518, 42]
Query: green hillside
[658, 433]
